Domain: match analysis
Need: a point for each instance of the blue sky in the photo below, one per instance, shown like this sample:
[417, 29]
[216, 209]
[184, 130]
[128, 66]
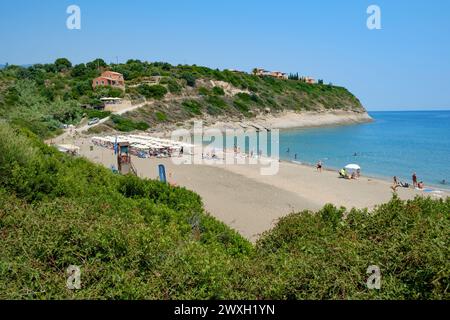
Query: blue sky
[405, 65]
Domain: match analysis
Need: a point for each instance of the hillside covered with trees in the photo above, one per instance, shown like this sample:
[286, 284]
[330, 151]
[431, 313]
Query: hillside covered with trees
[42, 97]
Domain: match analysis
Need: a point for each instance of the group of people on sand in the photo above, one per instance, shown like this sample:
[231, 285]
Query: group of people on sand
[415, 183]
[343, 173]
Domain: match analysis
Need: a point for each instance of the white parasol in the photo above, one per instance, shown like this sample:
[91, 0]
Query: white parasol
[352, 167]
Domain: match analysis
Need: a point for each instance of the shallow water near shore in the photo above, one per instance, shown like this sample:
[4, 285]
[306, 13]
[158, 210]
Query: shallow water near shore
[396, 143]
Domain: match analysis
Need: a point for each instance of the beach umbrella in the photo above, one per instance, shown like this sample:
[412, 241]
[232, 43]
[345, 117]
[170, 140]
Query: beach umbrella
[352, 167]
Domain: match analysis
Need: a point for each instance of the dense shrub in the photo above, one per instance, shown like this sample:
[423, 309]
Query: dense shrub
[93, 113]
[190, 79]
[326, 256]
[216, 102]
[108, 91]
[160, 116]
[174, 87]
[218, 91]
[203, 91]
[192, 106]
[126, 125]
[154, 91]
[241, 106]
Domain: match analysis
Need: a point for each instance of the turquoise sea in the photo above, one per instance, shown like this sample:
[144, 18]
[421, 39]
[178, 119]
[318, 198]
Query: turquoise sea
[396, 143]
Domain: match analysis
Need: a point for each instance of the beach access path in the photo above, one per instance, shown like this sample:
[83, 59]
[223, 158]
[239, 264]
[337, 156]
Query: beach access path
[251, 203]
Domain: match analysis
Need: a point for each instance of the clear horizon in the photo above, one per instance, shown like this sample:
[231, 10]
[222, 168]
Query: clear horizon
[403, 66]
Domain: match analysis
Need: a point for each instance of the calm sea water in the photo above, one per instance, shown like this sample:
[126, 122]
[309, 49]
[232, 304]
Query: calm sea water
[396, 143]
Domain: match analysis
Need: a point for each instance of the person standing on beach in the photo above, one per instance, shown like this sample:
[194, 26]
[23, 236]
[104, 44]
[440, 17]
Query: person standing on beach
[319, 166]
[414, 180]
[395, 185]
[396, 181]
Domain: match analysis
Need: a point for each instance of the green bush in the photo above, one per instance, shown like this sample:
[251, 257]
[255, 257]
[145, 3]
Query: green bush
[244, 97]
[216, 105]
[190, 79]
[192, 106]
[218, 91]
[108, 91]
[93, 113]
[161, 116]
[241, 106]
[127, 125]
[216, 102]
[203, 91]
[174, 87]
[213, 110]
[155, 91]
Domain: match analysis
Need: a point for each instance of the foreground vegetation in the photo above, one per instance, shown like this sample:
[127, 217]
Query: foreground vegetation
[43, 97]
[141, 239]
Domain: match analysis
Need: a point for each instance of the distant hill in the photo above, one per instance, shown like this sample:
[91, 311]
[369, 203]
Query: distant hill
[181, 93]
[3, 66]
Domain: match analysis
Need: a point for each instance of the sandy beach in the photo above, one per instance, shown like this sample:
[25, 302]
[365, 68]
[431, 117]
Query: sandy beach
[252, 203]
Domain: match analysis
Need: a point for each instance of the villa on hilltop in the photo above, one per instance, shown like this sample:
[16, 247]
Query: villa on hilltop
[281, 75]
[274, 74]
[110, 78]
[309, 80]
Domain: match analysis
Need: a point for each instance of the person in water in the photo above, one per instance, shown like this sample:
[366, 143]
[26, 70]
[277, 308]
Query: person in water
[420, 185]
